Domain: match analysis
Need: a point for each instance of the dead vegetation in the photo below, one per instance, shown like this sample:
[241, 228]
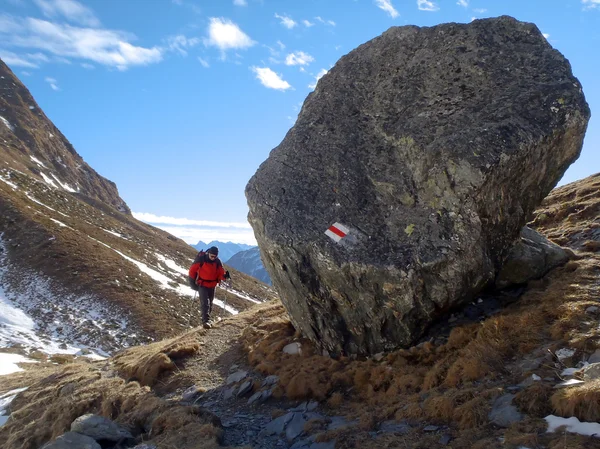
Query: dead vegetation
[450, 384]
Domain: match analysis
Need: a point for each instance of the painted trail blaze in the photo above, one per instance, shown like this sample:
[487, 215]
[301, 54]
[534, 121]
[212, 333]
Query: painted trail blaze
[337, 232]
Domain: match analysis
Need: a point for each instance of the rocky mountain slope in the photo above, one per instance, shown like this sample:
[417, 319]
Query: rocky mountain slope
[226, 249]
[32, 144]
[249, 262]
[73, 259]
[523, 376]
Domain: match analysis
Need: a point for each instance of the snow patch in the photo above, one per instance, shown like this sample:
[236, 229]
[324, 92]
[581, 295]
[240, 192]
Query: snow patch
[7, 123]
[60, 223]
[114, 233]
[48, 180]
[5, 400]
[14, 186]
[28, 195]
[37, 161]
[65, 186]
[573, 425]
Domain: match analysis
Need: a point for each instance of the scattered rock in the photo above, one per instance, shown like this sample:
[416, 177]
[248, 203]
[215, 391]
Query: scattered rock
[277, 426]
[394, 427]
[72, 440]
[191, 393]
[295, 427]
[592, 309]
[228, 393]
[503, 413]
[236, 377]
[591, 372]
[430, 428]
[445, 439]
[245, 388]
[99, 428]
[530, 258]
[260, 396]
[595, 357]
[270, 380]
[145, 446]
[294, 348]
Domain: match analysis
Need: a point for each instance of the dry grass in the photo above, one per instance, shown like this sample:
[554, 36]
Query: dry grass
[146, 364]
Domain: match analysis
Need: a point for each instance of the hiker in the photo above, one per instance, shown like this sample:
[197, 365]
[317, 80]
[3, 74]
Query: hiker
[210, 272]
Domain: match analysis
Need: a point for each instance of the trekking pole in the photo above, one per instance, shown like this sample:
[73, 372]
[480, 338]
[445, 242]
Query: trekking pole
[223, 310]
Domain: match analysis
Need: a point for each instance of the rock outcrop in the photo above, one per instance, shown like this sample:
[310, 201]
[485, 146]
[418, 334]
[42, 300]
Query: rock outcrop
[428, 148]
[30, 142]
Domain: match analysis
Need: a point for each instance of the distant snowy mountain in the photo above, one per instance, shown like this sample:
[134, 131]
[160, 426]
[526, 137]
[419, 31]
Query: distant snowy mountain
[249, 262]
[226, 249]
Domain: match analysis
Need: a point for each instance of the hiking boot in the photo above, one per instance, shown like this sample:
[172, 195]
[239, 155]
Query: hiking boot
[206, 325]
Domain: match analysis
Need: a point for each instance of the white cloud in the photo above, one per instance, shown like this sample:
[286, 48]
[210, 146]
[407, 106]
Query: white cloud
[281, 45]
[286, 21]
[179, 43]
[87, 66]
[14, 60]
[240, 2]
[329, 22]
[204, 62]
[151, 218]
[70, 10]
[317, 78]
[307, 23]
[107, 47]
[546, 35]
[270, 79]
[52, 82]
[193, 231]
[590, 4]
[427, 5]
[298, 58]
[464, 3]
[24, 73]
[225, 35]
[480, 10]
[387, 6]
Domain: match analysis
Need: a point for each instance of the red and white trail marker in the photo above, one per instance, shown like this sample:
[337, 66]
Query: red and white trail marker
[337, 232]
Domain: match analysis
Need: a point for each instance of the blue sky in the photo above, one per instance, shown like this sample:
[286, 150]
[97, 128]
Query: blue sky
[179, 101]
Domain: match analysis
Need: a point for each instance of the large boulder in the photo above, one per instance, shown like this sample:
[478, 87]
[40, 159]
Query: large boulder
[428, 148]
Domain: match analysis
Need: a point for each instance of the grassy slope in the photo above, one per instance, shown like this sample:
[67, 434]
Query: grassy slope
[73, 257]
[450, 384]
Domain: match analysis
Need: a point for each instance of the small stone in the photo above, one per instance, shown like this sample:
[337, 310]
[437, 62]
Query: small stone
[72, 440]
[228, 393]
[394, 427]
[299, 408]
[191, 393]
[591, 372]
[378, 357]
[592, 309]
[295, 427]
[595, 357]
[277, 426]
[255, 397]
[246, 387]
[145, 446]
[233, 369]
[312, 405]
[430, 428]
[445, 439]
[236, 377]
[503, 413]
[270, 380]
[294, 348]
[99, 428]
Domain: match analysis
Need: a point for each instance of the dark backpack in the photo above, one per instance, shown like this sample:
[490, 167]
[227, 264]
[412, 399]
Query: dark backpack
[193, 271]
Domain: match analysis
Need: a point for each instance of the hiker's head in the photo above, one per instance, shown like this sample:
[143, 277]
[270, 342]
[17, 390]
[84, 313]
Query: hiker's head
[212, 252]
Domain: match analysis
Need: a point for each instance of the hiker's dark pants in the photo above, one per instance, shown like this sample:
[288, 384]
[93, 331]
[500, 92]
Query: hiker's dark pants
[207, 295]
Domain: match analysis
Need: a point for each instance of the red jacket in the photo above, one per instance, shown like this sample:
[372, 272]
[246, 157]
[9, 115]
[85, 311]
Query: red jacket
[207, 273]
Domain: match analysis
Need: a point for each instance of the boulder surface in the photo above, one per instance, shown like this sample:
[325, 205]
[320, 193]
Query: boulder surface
[428, 149]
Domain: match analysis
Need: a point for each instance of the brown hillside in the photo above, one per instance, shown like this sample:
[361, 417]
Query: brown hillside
[26, 133]
[75, 259]
[449, 381]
